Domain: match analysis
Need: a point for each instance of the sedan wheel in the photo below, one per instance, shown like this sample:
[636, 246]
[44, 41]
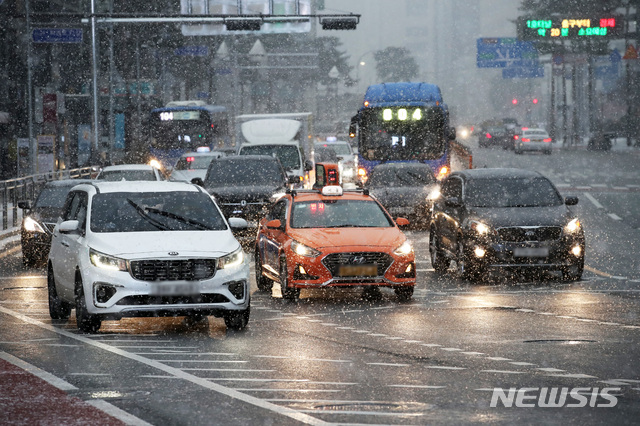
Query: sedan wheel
[464, 268]
[439, 262]
[263, 283]
[58, 308]
[573, 272]
[287, 292]
[86, 322]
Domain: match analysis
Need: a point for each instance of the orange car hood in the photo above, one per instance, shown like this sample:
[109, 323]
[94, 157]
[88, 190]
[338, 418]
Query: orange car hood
[343, 237]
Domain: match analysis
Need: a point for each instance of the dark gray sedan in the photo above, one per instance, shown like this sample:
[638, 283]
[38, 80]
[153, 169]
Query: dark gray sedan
[504, 219]
[404, 189]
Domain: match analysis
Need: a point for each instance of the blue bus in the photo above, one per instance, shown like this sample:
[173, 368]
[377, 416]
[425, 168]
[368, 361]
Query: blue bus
[402, 122]
[183, 126]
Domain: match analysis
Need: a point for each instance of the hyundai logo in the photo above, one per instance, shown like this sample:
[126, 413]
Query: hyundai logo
[358, 260]
[173, 253]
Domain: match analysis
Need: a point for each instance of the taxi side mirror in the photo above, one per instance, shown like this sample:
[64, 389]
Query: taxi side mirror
[274, 224]
[401, 221]
[308, 166]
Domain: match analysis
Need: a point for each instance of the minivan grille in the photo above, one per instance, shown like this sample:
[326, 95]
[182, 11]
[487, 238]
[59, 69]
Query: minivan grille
[541, 233]
[173, 270]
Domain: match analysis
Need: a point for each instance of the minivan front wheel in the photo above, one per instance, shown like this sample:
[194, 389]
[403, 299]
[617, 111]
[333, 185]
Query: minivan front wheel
[88, 323]
[58, 308]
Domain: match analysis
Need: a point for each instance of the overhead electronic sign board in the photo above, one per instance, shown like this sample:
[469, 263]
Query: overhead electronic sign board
[569, 27]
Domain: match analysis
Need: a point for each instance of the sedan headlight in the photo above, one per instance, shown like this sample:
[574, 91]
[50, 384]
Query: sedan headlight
[404, 249]
[105, 261]
[32, 225]
[573, 226]
[304, 250]
[479, 227]
[232, 259]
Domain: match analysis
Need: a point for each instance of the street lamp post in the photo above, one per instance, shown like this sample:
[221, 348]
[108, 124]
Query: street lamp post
[359, 64]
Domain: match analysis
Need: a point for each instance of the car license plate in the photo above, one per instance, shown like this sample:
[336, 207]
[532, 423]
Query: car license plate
[175, 288]
[531, 252]
[358, 270]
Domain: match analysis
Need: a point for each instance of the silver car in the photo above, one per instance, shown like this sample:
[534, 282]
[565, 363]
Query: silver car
[533, 140]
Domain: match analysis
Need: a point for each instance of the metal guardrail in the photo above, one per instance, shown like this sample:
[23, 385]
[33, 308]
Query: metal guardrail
[28, 187]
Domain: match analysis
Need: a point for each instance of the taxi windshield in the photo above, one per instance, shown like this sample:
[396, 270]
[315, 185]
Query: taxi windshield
[339, 214]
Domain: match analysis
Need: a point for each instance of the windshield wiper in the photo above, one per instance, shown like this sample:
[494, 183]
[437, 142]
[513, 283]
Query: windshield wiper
[146, 217]
[179, 218]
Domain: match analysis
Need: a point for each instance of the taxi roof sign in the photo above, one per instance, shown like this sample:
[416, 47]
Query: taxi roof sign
[332, 190]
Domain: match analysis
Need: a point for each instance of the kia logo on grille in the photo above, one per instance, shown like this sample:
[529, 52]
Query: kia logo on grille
[243, 203]
[173, 253]
[530, 234]
[357, 260]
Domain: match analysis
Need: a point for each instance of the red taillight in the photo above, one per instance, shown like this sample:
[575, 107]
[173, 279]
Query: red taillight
[516, 137]
[526, 140]
[190, 159]
[547, 140]
[488, 135]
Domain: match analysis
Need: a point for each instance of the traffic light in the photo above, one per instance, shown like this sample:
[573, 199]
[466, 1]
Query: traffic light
[535, 101]
[339, 23]
[514, 101]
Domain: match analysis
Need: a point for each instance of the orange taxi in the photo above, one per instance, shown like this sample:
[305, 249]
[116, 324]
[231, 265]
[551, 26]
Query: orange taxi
[328, 237]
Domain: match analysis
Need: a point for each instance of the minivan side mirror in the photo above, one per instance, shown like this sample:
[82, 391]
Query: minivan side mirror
[571, 201]
[308, 165]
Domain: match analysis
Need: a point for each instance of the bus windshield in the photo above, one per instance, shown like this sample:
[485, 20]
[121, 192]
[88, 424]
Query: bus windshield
[186, 129]
[402, 133]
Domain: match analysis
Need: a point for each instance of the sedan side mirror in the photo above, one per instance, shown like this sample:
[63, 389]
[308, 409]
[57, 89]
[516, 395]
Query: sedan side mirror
[571, 201]
[69, 227]
[25, 204]
[308, 165]
[197, 181]
[274, 224]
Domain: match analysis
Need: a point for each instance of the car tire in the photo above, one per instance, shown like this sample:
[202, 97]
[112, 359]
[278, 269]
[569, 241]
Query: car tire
[237, 320]
[58, 308]
[464, 268]
[371, 293]
[438, 260]
[404, 293]
[86, 322]
[548, 152]
[288, 293]
[263, 283]
[573, 272]
[28, 260]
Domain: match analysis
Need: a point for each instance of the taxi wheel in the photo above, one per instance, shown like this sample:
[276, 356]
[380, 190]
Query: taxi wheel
[58, 308]
[86, 322]
[404, 294]
[263, 283]
[287, 292]
[438, 260]
[371, 293]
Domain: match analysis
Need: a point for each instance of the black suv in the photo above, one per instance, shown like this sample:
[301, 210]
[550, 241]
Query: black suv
[504, 219]
[245, 185]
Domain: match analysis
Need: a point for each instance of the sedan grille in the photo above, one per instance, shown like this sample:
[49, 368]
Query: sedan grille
[335, 260]
[173, 270]
[541, 233]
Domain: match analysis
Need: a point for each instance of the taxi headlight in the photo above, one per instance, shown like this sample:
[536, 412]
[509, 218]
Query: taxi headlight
[479, 227]
[232, 259]
[105, 261]
[404, 249]
[304, 250]
[573, 226]
[32, 225]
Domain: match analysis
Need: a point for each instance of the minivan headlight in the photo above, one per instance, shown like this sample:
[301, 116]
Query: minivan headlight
[32, 225]
[105, 261]
[232, 259]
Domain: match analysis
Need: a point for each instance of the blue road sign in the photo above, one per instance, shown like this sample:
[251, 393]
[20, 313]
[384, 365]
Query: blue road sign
[57, 35]
[504, 52]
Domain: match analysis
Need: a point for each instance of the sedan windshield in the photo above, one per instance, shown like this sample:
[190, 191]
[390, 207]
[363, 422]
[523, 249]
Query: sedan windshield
[153, 211]
[511, 192]
[244, 173]
[339, 214]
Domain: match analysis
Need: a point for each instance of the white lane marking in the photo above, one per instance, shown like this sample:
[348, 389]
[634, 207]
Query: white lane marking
[473, 353]
[387, 364]
[574, 376]
[614, 216]
[158, 347]
[502, 371]
[593, 200]
[451, 349]
[329, 324]
[317, 421]
[7, 253]
[442, 367]
[550, 370]
[243, 370]
[360, 331]
[90, 374]
[431, 345]
[215, 361]
[362, 413]
[521, 363]
[411, 341]
[498, 358]
[232, 393]
[116, 412]
[375, 334]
